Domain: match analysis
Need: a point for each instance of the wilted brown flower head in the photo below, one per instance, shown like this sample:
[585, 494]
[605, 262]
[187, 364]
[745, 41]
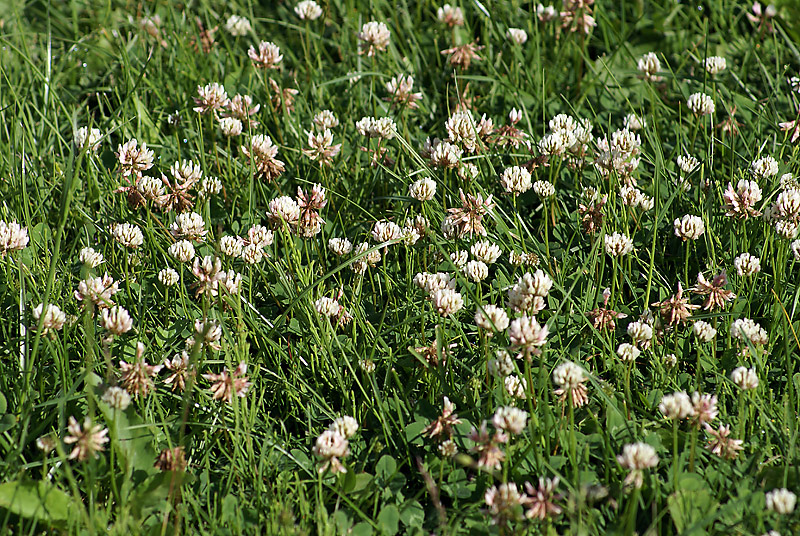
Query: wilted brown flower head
[717, 296]
[577, 16]
[677, 309]
[137, 378]
[604, 318]
[443, 425]
[88, 440]
[721, 444]
[173, 459]
[463, 55]
[282, 99]
[487, 447]
[229, 383]
[592, 215]
[468, 218]
[180, 370]
[541, 500]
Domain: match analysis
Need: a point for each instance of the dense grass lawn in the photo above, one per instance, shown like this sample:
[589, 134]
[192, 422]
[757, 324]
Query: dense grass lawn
[397, 267]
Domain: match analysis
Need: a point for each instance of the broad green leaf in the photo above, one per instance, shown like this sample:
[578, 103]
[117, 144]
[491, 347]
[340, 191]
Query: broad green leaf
[36, 500]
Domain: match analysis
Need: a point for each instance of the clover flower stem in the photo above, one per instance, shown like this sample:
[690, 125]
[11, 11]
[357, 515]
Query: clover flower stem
[546, 232]
[628, 400]
[686, 262]
[532, 421]
[742, 412]
[630, 514]
[573, 448]
[698, 365]
[675, 454]
[183, 292]
[542, 384]
[695, 430]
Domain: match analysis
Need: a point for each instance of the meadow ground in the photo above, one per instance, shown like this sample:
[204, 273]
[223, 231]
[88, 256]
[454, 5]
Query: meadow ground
[399, 267]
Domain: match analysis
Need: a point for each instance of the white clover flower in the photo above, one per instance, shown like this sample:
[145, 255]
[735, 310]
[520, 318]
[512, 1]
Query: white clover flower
[747, 265]
[788, 204]
[450, 15]
[134, 159]
[640, 332]
[461, 128]
[687, 163]
[385, 231]
[267, 56]
[764, 167]
[168, 277]
[510, 419]
[447, 301]
[117, 398]
[260, 236]
[676, 406]
[700, 104]
[127, 234]
[515, 386]
[491, 318]
[374, 37]
[781, 501]
[210, 98]
[331, 447]
[477, 270]
[13, 237]
[230, 126]
[325, 120]
[238, 26]
[385, 128]
[459, 259]
[689, 227]
[252, 254]
[649, 65]
[516, 180]
[182, 251]
[526, 334]
[346, 426]
[618, 244]
[516, 36]
[189, 226]
[186, 171]
[786, 229]
[283, 209]
[423, 189]
[796, 250]
[116, 320]
[704, 331]
[715, 65]
[231, 246]
[486, 251]
[308, 10]
[446, 155]
[745, 329]
[327, 307]
[544, 189]
[85, 138]
[340, 246]
[546, 14]
[745, 378]
[151, 189]
[634, 122]
[628, 352]
[91, 258]
[54, 317]
[502, 365]
[636, 458]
